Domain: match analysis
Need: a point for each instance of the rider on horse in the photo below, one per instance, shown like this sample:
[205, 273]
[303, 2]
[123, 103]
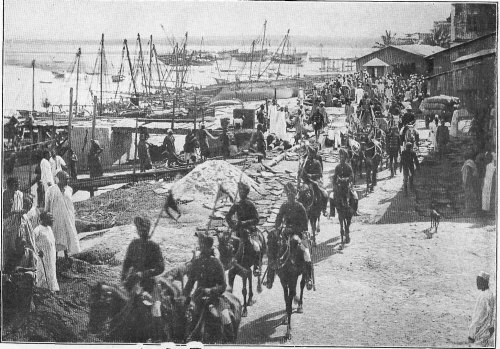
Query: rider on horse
[247, 220]
[142, 263]
[208, 271]
[294, 217]
[312, 172]
[341, 181]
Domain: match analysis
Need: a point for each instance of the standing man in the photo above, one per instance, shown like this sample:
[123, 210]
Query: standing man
[58, 203]
[442, 138]
[409, 163]
[169, 144]
[46, 246]
[204, 146]
[482, 327]
[143, 153]
[323, 112]
[95, 165]
[190, 146]
[470, 178]
[259, 141]
[56, 163]
[261, 117]
[393, 149]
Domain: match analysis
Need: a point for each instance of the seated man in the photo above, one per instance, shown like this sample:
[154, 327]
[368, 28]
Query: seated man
[293, 216]
[312, 171]
[246, 222]
[341, 181]
[209, 273]
[19, 278]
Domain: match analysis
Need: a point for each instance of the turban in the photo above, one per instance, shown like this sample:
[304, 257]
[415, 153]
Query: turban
[142, 223]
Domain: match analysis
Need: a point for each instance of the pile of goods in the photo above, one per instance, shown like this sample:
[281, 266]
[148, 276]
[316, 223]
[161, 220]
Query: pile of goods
[202, 184]
[441, 105]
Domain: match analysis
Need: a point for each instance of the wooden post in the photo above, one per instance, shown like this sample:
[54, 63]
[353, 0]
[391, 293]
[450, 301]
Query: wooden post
[70, 115]
[135, 148]
[173, 114]
[195, 111]
[92, 134]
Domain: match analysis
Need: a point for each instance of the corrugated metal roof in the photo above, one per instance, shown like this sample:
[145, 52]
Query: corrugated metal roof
[475, 55]
[467, 42]
[420, 50]
[376, 62]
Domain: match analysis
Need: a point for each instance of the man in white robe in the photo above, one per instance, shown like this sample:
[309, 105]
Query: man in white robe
[488, 182]
[281, 124]
[58, 202]
[482, 327]
[273, 114]
[46, 246]
[56, 163]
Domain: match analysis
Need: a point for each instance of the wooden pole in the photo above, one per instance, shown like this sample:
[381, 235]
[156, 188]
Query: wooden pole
[102, 52]
[92, 134]
[33, 90]
[135, 148]
[70, 115]
[77, 79]
[195, 111]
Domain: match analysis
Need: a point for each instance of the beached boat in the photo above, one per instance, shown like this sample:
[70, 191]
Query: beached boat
[117, 78]
[58, 75]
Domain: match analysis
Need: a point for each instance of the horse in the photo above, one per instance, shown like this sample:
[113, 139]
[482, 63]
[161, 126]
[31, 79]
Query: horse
[240, 254]
[290, 264]
[207, 327]
[372, 154]
[127, 317]
[314, 205]
[345, 210]
[356, 157]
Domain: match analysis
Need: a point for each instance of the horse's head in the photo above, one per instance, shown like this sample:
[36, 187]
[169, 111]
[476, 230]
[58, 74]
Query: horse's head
[105, 302]
[228, 245]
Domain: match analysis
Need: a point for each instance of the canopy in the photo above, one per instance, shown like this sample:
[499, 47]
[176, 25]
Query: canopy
[376, 62]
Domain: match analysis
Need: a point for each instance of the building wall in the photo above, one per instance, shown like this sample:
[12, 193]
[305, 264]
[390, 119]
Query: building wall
[394, 57]
[473, 81]
[442, 60]
[470, 21]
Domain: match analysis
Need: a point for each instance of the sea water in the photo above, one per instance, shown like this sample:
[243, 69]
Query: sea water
[60, 57]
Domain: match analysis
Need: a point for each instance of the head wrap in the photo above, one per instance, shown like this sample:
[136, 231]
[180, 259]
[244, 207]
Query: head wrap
[143, 224]
[290, 188]
[62, 175]
[206, 239]
[484, 275]
[243, 186]
[342, 151]
[408, 145]
[45, 217]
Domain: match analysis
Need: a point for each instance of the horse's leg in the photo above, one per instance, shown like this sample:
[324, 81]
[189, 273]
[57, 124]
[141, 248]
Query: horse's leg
[316, 223]
[347, 225]
[251, 301]
[244, 292]
[300, 309]
[292, 290]
[285, 294]
[341, 219]
[313, 228]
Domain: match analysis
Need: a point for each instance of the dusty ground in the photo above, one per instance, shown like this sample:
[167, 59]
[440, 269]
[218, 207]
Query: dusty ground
[392, 286]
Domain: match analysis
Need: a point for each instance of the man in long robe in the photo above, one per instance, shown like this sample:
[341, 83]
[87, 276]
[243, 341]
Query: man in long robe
[469, 182]
[488, 185]
[58, 203]
[482, 327]
[12, 212]
[281, 124]
[273, 114]
[46, 246]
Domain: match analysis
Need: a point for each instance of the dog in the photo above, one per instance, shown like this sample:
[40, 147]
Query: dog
[435, 219]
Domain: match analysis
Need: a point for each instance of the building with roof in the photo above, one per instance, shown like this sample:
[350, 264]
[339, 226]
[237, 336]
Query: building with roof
[472, 20]
[401, 59]
[467, 71]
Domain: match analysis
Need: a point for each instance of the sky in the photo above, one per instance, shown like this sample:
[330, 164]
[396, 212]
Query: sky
[86, 20]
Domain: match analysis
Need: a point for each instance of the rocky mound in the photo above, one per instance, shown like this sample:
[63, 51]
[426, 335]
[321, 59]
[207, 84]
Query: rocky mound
[203, 182]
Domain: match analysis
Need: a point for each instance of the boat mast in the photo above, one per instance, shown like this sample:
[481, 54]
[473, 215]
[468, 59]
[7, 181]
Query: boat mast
[102, 61]
[150, 59]
[282, 50]
[262, 48]
[33, 90]
[251, 60]
[78, 54]
[130, 66]
[141, 60]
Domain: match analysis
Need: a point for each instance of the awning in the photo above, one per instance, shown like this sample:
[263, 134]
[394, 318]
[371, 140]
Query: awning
[477, 54]
[376, 62]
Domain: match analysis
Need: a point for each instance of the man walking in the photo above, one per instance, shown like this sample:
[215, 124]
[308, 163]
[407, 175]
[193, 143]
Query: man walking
[409, 163]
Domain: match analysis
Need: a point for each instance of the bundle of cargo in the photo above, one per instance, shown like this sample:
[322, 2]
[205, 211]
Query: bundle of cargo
[441, 105]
